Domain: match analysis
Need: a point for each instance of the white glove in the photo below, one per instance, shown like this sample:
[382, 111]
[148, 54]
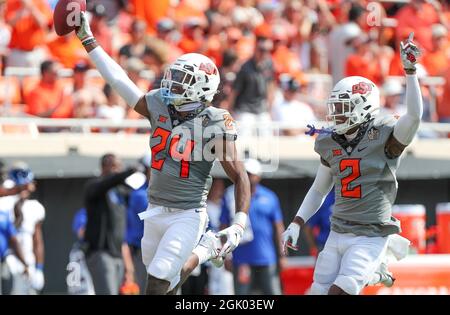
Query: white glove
[37, 280]
[84, 31]
[233, 233]
[409, 53]
[290, 237]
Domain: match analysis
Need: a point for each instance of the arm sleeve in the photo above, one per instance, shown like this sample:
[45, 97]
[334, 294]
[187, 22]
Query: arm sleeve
[316, 194]
[101, 186]
[115, 76]
[408, 124]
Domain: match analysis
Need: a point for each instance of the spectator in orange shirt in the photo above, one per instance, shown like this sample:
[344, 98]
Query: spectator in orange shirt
[364, 61]
[67, 50]
[193, 36]
[437, 60]
[48, 99]
[419, 16]
[30, 20]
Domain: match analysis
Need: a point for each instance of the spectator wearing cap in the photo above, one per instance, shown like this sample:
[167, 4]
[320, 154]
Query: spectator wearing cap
[392, 91]
[136, 47]
[100, 28]
[29, 215]
[166, 32]
[48, 99]
[255, 259]
[253, 88]
[137, 203]
[86, 97]
[339, 50]
[30, 21]
[437, 59]
[288, 109]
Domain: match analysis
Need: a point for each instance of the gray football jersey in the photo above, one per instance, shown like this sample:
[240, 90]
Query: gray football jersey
[182, 156]
[364, 179]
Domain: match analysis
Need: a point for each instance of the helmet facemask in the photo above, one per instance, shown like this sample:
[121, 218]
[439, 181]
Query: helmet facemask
[177, 85]
[192, 78]
[347, 114]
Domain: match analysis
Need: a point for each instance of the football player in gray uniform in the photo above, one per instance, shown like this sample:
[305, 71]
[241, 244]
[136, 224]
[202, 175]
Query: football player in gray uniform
[187, 136]
[359, 156]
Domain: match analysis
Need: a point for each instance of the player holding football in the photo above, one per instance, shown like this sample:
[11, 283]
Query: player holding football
[184, 129]
[360, 158]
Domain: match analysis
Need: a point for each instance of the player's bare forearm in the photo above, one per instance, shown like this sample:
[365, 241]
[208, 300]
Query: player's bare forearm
[279, 229]
[236, 173]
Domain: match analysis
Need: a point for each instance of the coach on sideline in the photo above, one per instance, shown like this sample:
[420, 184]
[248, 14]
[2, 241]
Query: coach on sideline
[106, 223]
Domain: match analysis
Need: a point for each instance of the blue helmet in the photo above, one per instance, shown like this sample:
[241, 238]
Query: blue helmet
[21, 174]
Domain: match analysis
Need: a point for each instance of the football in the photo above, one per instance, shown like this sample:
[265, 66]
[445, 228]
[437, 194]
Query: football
[66, 15]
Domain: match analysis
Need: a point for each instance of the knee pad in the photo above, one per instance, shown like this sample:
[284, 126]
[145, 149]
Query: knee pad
[319, 289]
[349, 284]
[162, 269]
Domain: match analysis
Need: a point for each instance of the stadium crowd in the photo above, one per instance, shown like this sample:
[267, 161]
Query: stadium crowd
[268, 53]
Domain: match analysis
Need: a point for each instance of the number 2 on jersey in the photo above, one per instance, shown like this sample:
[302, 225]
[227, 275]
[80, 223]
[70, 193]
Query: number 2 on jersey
[182, 156]
[354, 165]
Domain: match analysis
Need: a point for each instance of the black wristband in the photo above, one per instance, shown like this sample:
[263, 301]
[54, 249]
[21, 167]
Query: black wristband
[88, 41]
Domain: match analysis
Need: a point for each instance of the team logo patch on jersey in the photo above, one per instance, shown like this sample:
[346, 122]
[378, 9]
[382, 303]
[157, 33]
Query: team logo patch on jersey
[162, 118]
[229, 121]
[337, 152]
[373, 134]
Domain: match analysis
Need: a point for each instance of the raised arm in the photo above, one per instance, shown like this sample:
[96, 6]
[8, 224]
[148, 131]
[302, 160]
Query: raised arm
[103, 184]
[237, 174]
[408, 124]
[111, 71]
[312, 202]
